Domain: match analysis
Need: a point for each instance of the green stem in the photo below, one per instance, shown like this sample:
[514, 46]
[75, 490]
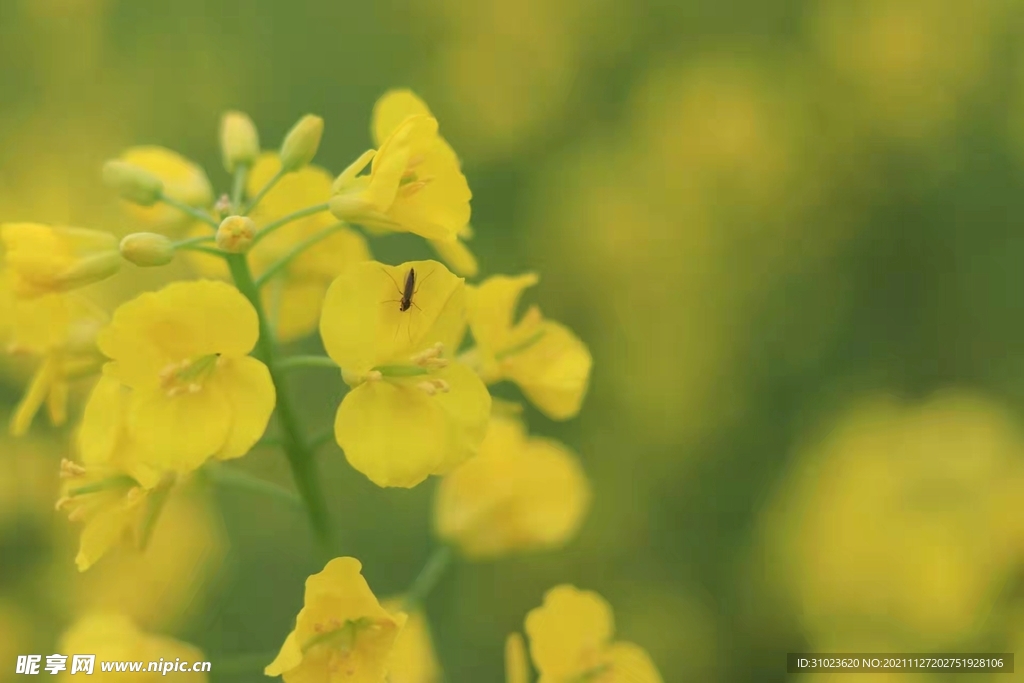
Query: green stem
[428, 577]
[322, 439]
[297, 250]
[238, 186]
[231, 476]
[300, 456]
[307, 362]
[285, 220]
[262, 193]
[198, 214]
[194, 241]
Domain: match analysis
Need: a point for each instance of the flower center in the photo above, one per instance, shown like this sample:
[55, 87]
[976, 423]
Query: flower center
[91, 492]
[189, 375]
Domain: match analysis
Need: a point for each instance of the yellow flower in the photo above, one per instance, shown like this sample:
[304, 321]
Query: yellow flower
[117, 638]
[293, 298]
[60, 329]
[548, 362]
[196, 393]
[44, 259]
[517, 669]
[412, 412]
[182, 180]
[341, 632]
[415, 183]
[412, 659]
[571, 640]
[518, 494]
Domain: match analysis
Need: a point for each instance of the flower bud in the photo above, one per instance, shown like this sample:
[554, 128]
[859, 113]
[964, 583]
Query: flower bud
[147, 249]
[239, 141]
[133, 183]
[300, 145]
[235, 234]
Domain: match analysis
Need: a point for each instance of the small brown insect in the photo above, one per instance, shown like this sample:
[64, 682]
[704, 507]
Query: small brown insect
[407, 292]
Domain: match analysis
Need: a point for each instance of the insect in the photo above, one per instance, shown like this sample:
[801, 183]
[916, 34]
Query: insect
[406, 294]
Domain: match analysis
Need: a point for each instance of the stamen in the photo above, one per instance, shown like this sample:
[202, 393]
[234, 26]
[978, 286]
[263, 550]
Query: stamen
[70, 469]
[427, 387]
[373, 376]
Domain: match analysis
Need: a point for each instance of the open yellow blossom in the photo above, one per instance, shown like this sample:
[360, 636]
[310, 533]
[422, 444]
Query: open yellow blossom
[293, 297]
[182, 179]
[571, 640]
[44, 259]
[415, 182]
[341, 633]
[60, 330]
[517, 494]
[412, 413]
[544, 358]
[116, 638]
[196, 393]
[412, 659]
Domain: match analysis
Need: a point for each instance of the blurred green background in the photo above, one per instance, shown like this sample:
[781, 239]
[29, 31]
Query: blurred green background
[790, 231]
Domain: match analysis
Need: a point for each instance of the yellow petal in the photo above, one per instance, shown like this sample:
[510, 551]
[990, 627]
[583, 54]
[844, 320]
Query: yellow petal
[38, 389]
[251, 395]
[107, 527]
[412, 659]
[290, 657]
[441, 209]
[631, 664]
[180, 432]
[338, 592]
[395, 435]
[458, 256]
[362, 326]
[492, 307]
[183, 180]
[102, 422]
[332, 255]
[553, 373]
[516, 667]
[394, 107]
[467, 405]
[182, 321]
[569, 624]
[294, 306]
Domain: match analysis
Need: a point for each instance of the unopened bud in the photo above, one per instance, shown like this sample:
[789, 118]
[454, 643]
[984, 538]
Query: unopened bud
[300, 145]
[132, 182]
[235, 234]
[147, 249]
[239, 141]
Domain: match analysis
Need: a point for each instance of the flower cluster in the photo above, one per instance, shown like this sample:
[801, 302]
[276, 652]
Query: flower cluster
[193, 373]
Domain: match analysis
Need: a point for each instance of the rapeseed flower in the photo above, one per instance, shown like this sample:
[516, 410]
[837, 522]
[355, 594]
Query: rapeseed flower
[412, 659]
[60, 330]
[196, 393]
[117, 638]
[341, 632]
[412, 412]
[183, 181]
[519, 493]
[294, 295]
[44, 259]
[571, 640]
[549, 363]
[415, 182]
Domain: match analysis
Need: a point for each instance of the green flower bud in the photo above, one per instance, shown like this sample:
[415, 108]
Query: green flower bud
[300, 145]
[239, 140]
[147, 249]
[133, 183]
[236, 234]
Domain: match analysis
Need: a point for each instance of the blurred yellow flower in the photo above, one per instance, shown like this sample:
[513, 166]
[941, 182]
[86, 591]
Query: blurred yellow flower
[544, 358]
[44, 259]
[196, 393]
[60, 329]
[294, 296]
[117, 638]
[457, 255]
[412, 659]
[341, 632]
[182, 180]
[904, 519]
[415, 183]
[571, 639]
[517, 669]
[519, 494]
[412, 413]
